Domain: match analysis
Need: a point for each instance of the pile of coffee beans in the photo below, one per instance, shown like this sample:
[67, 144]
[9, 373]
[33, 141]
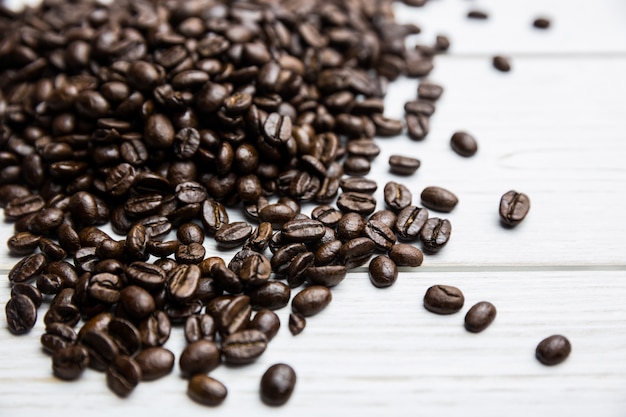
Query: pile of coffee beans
[161, 118]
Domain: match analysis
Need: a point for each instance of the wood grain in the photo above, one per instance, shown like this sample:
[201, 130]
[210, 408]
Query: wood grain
[554, 128]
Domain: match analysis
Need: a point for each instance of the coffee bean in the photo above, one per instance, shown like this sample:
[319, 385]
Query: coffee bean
[383, 271]
[28, 268]
[233, 234]
[267, 322]
[463, 144]
[102, 349]
[199, 357]
[276, 214]
[327, 215]
[480, 316]
[145, 275]
[302, 230]
[123, 375]
[443, 299]
[277, 384]
[477, 14]
[297, 323]
[365, 148]
[360, 203]
[21, 206]
[125, 334]
[358, 185]
[58, 336]
[244, 346]
[200, 327]
[357, 165]
[28, 290]
[386, 217]
[156, 329]
[403, 165]
[541, 23]
[553, 350]
[406, 255]
[183, 282]
[417, 107]
[190, 254]
[326, 275]
[428, 90]
[272, 295]
[311, 300]
[417, 125]
[255, 270]
[410, 222]
[350, 226]
[397, 196]
[435, 234]
[356, 252]
[21, 314]
[501, 63]
[439, 199]
[69, 362]
[206, 390]
[23, 243]
[382, 235]
[514, 208]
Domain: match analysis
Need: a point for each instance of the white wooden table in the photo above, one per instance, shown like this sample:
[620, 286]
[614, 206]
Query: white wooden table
[554, 128]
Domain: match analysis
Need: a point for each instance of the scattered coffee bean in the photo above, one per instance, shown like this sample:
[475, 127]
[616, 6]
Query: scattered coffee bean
[123, 375]
[553, 350]
[244, 346]
[502, 63]
[267, 322]
[514, 208]
[480, 316]
[403, 165]
[439, 199]
[311, 300]
[383, 271]
[477, 14]
[154, 362]
[70, 361]
[206, 390]
[297, 323]
[435, 234]
[21, 314]
[463, 144]
[443, 299]
[404, 254]
[199, 357]
[277, 384]
[542, 23]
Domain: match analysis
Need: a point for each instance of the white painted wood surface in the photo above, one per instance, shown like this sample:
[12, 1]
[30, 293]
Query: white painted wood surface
[554, 128]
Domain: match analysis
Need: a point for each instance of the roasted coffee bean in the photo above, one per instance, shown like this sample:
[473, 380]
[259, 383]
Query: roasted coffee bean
[213, 216]
[326, 275]
[267, 322]
[397, 196]
[156, 329]
[199, 357]
[244, 346]
[311, 300]
[387, 127]
[87, 209]
[477, 14]
[463, 144]
[358, 185]
[206, 390]
[123, 375]
[327, 215]
[383, 271]
[386, 217]
[443, 299]
[357, 165]
[276, 214]
[514, 208]
[480, 316]
[136, 241]
[302, 230]
[233, 234]
[155, 363]
[297, 323]
[21, 314]
[297, 268]
[200, 327]
[105, 287]
[183, 282]
[404, 254]
[541, 23]
[23, 243]
[69, 362]
[28, 290]
[382, 235]
[159, 132]
[49, 284]
[255, 270]
[553, 350]
[428, 90]
[277, 384]
[360, 203]
[226, 279]
[365, 148]
[136, 302]
[435, 234]
[146, 275]
[27, 268]
[125, 335]
[501, 63]
[58, 336]
[21, 206]
[417, 125]
[423, 107]
[190, 233]
[272, 295]
[260, 238]
[403, 165]
[234, 315]
[62, 313]
[190, 254]
[439, 199]
[350, 226]
[328, 252]
[99, 322]
[102, 349]
[236, 262]
[284, 255]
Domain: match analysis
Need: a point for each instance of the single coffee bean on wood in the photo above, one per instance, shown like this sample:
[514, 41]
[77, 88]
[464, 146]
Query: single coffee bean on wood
[267, 322]
[435, 234]
[514, 208]
[463, 144]
[21, 314]
[123, 375]
[155, 362]
[277, 384]
[383, 271]
[70, 361]
[311, 300]
[439, 199]
[206, 390]
[403, 165]
[480, 316]
[244, 346]
[542, 23]
[297, 323]
[501, 63]
[553, 350]
[443, 299]
[199, 357]
[404, 254]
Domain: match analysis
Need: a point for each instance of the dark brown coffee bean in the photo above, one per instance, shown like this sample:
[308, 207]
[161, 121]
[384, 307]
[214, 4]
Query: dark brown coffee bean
[49, 284]
[206, 390]
[357, 165]
[276, 214]
[541, 23]
[260, 238]
[417, 107]
[553, 350]
[480, 316]
[463, 144]
[23, 243]
[350, 226]
[302, 230]
[156, 329]
[297, 323]
[213, 216]
[27, 268]
[360, 203]
[358, 185]
[233, 234]
[403, 165]
[397, 196]
[28, 290]
[383, 271]
[255, 270]
[326, 275]
[226, 279]
[58, 336]
[69, 362]
[428, 90]
[21, 206]
[199, 357]
[200, 327]
[272, 295]
[146, 275]
[382, 235]
[514, 208]
[102, 349]
[410, 221]
[267, 322]
[21, 314]
[297, 268]
[137, 302]
[443, 299]
[105, 287]
[123, 375]
[277, 384]
[183, 282]
[155, 363]
[477, 14]
[234, 315]
[439, 199]
[417, 125]
[244, 346]
[327, 215]
[435, 234]
[328, 252]
[501, 63]
[284, 255]
[159, 132]
[126, 335]
[311, 300]
[190, 254]
[365, 148]
[404, 254]
[135, 244]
